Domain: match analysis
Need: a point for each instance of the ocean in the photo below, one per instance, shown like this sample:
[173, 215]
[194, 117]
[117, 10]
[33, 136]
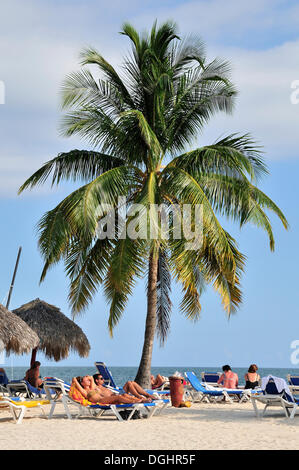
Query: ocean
[122, 374]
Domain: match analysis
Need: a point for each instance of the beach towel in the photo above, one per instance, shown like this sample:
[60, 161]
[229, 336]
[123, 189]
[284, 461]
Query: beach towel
[280, 384]
[76, 395]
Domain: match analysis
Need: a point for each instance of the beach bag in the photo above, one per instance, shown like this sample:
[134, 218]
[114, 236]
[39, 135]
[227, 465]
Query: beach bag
[126, 413]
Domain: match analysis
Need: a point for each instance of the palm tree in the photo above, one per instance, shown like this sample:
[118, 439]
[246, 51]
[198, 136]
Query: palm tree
[137, 124]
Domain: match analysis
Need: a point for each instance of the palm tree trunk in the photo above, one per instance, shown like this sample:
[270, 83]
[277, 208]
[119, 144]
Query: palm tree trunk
[144, 371]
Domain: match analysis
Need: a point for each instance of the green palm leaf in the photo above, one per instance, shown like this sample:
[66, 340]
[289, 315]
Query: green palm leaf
[74, 165]
[164, 304]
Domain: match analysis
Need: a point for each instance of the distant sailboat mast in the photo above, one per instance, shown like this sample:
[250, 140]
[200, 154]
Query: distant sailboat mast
[13, 278]
[9, 296]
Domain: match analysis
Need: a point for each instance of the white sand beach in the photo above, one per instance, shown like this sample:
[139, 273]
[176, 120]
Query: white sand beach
[203, 426]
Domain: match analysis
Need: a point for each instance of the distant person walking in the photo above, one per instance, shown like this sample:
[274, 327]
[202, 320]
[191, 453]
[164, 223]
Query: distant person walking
[228, 379]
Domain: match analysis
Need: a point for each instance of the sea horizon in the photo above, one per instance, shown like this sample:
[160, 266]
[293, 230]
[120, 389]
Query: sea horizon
[121, 374]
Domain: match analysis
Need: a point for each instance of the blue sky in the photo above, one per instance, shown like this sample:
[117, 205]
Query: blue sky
[39, 44]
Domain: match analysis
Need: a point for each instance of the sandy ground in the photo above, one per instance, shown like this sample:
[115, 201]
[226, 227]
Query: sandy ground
[203, 426]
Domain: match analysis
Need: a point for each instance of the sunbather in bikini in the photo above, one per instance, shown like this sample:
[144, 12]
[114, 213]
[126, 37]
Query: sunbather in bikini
[158, 381]
[100, 394]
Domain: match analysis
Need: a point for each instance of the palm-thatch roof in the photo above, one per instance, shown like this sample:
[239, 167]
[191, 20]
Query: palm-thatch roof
[15, 335]
[58, 334]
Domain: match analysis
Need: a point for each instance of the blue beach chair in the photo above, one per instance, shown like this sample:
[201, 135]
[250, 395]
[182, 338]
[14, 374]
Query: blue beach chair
[293, 381]
[211, 378]
[204, 392]
[199, 393]
[3, 382]
[3, 379]
[272, 397]
[23, 388]
[107, 375]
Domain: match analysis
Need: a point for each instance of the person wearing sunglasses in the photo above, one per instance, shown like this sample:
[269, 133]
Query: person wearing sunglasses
[100, 394]
[130, 387]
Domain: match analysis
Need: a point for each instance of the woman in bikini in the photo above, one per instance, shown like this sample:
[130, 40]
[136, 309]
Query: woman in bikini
[252, 378]
[100, 394]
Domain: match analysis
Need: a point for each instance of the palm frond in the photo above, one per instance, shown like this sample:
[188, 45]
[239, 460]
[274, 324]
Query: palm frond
[86, 268]
[84, 165]
[90, 56]
[189, 191]
[127, 263]
[241, 201]
[232, 156]
[164, 304]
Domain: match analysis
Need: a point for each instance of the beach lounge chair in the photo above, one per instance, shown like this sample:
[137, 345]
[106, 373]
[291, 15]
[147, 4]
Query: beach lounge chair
[200, 391]
[95, 410]
[107, 375]
[210, 378]
[109, 381]
[23, 388]
[3, 390]
[3, 379]
[275, 392]
[3, 382]
[19, 406]
[293, 381]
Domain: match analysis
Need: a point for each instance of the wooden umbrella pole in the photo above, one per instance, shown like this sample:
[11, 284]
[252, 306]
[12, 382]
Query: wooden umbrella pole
[33, 356]
[13, 278]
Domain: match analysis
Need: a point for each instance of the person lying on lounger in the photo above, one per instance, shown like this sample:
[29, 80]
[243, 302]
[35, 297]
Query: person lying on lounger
[158, 381]
[130, 387]
[100, 394]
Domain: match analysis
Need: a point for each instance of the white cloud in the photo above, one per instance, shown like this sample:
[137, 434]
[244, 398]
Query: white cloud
[40, 43]
[264, 107]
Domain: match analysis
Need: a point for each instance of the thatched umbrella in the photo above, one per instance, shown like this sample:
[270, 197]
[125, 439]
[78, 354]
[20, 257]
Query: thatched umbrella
[57, 333]
[15, 335]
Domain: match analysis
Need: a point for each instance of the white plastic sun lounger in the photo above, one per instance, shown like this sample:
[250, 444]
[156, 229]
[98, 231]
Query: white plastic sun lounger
[54, 384]
[271, 397]
[199, 391]
[18, 406]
